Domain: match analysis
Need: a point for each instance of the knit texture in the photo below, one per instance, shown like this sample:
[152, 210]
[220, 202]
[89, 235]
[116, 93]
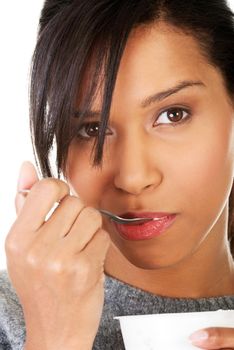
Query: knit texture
[120, 299]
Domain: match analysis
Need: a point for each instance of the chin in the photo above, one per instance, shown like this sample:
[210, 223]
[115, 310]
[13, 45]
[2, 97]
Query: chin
[148, 256]
[149, 264]
[155, 262]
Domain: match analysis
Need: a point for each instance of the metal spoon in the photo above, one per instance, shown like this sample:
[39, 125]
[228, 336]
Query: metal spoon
[125, 221]
[112, 216]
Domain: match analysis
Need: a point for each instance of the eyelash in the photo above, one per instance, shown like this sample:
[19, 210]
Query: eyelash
[176, 108]
[173, 124]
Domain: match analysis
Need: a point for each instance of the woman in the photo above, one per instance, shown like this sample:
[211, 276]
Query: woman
[138, 96]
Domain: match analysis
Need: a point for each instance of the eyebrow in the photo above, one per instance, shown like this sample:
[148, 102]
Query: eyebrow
[163, 94]
[159, 96]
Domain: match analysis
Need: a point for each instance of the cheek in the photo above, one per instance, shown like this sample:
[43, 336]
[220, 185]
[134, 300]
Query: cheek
[85, 181]
[205, 174]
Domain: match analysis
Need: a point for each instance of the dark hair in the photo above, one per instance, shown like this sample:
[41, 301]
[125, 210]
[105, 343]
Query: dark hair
[72, 33]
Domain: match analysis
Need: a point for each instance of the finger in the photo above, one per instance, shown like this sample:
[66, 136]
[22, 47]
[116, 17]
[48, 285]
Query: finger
[62, 219]
[97, 248]
[40, 200]
[27, 178]
[82, 231]
[88, 264]
[213, 338]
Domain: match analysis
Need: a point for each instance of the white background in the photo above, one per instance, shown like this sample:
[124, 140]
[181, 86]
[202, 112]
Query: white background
[18, 28]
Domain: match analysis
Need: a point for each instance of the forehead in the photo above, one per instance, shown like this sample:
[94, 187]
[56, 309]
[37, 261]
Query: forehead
[155, 58]
[158, 56]
[160, 41]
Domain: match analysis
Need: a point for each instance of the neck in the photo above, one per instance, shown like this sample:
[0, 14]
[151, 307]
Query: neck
[205, 273]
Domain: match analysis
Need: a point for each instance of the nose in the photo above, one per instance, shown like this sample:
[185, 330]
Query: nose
[137, 169]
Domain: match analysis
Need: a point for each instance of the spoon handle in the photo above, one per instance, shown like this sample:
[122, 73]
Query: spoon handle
[116, 218]
[120, 220]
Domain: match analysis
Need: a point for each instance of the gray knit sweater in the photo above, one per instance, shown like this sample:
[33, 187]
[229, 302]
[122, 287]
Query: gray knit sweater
[120, 299]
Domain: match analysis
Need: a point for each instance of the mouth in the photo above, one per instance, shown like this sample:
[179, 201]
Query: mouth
[134, 214]
[146, 230]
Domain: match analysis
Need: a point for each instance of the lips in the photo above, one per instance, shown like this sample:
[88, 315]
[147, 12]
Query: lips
[134, 214]
[146, 230]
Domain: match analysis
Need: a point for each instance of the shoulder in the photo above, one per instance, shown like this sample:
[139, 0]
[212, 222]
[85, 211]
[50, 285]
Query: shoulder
[12, 326]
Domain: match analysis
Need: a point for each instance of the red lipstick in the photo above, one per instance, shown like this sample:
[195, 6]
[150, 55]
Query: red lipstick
[146, 230]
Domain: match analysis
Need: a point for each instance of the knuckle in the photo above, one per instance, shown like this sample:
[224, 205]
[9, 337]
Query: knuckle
[83, 269]
[104, 235]
[49, 185]
[11, 245]
[93, 215]
[56, 267]
[72, 201]
[31, 259]
[103, 239]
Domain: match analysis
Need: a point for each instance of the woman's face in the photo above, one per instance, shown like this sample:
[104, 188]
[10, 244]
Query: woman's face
[178, 161]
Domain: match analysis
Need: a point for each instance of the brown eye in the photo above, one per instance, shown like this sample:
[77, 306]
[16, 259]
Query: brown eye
[173, 116]
[89, 130]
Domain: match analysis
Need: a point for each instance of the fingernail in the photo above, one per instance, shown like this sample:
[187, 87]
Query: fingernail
[199, 337]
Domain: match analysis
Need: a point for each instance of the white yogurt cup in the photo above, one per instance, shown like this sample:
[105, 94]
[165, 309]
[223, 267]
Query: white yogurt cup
[169, 331]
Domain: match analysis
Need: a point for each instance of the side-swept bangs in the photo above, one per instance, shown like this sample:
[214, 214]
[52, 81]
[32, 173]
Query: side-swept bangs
[83, 35]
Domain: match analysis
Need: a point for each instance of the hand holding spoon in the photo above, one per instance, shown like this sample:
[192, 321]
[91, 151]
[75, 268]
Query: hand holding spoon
[116, 218]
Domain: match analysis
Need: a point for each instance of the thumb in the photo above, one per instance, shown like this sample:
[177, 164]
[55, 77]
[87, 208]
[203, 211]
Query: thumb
[27, 178]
